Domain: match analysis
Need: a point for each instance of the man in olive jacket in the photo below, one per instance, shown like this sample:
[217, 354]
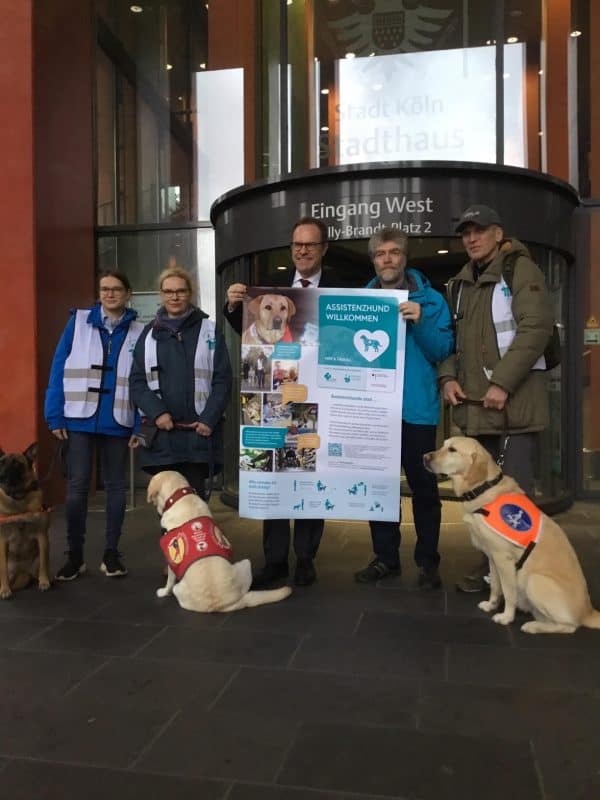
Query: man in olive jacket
[501, 335]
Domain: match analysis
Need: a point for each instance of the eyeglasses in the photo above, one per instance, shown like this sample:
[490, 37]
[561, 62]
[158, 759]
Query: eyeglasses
[175, 292]
[311, 246]
[394, 253]
[112, 289]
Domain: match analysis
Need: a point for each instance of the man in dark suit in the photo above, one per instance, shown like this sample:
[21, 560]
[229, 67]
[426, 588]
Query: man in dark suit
[309, 245]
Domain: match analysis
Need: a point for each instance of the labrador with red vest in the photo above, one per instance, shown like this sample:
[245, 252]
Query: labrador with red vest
[201, 573]
[532, 563]
[271, 313]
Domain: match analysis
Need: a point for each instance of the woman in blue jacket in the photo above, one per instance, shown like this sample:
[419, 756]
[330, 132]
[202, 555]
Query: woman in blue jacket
[429, 340]
[88, 406]
[181, 382]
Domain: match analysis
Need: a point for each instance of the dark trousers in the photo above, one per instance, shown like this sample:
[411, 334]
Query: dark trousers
[276, 539]
[518, 456]
[194, 473]
[427, 508]
[113, 459]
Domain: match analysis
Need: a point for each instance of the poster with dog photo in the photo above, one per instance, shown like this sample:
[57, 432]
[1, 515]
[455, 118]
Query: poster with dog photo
[322, 373]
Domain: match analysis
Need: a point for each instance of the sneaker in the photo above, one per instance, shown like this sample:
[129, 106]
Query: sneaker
[112, 566]
[270, 575]
[375, 571]
[429, 578]
[477, 580]
[71, 570]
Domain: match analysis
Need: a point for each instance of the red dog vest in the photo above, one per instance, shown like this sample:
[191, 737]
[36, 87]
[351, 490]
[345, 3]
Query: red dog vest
[514, 517]
[198, 538]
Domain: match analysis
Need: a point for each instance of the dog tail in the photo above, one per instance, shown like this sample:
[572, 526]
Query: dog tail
[592, 620]
[270, 596]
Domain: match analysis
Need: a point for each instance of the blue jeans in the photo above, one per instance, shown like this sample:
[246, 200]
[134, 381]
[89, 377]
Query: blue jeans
[427, 508]
[113, 459]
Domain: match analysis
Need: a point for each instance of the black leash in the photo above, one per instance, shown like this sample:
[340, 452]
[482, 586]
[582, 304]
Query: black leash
[505, 434]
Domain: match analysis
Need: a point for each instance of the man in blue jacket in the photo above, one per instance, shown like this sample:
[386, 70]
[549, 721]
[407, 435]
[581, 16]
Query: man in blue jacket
[429, 340]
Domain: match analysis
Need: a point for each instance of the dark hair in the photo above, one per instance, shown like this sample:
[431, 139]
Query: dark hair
[388, 235]
[313, 221]
[113, 273]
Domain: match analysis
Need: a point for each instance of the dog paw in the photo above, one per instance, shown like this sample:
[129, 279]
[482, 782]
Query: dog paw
[162, 592]
[5, 593]
[43, 586]
[504, 618]
[487, 605]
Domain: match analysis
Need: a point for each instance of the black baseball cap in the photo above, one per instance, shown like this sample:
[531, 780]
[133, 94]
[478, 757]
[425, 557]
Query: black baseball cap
[482, 216]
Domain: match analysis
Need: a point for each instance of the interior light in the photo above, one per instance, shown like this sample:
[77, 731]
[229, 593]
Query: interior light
[202, 65]
[371, 55]
[540, 133]
[168, 66]
[512, 39]
[281, 269]
[540, 71]
[324, 91]
[324, 127]
[491, 41]
[575, 34]
[136, 9]
[350, 55]
[443, 252]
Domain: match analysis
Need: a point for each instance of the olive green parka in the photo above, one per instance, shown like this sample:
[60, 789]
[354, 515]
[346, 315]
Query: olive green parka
[477, 356]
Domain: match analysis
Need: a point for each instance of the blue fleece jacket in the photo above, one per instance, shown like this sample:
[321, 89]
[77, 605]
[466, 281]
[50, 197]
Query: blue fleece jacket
[103, 420]
[428, 341]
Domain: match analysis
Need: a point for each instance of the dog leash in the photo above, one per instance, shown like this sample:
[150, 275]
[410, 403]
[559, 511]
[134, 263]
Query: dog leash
[468, 401]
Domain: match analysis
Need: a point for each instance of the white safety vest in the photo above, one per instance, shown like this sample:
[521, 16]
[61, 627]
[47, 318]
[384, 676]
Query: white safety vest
[503, 319]
[82, 375]
[203, 364]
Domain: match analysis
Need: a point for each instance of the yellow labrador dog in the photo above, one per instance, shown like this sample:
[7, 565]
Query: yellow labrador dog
[211, 583]
[545, 578]
[272, 314]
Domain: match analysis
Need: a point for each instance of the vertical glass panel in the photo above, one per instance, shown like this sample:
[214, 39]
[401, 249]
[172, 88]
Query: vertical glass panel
[591, 360]
[105, 140]
[219, 150]
[270, 83]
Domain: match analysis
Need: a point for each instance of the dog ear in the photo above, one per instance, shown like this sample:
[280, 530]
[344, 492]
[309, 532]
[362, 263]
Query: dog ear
[254, 305]
[31, 452]
[291, 306]
[152, 491]
[477, 472]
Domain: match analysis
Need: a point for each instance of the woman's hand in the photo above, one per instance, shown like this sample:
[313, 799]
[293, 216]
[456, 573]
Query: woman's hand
[202, 429]
[60, 433]
[164, 422]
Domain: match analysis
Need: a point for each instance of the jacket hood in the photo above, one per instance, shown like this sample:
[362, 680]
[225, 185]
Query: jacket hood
[95, 315]
[418, 283]
[494, 268]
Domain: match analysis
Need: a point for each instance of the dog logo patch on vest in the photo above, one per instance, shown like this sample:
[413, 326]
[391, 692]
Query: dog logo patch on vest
[197, 538]
[514, 517]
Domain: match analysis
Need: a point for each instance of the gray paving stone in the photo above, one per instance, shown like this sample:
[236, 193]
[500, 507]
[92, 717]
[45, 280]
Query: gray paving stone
[109, 638]
[21, 628]
[301, 696]
[34, 780]
[404, 627]
[28, 677]
[396, 762]
[242, 791]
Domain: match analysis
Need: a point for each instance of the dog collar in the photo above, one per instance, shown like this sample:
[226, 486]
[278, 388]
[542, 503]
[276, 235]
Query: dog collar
[177, 495]
[483, 487]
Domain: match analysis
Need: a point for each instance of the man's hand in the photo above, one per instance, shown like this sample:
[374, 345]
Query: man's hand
[452, 393]
[236, 293]
[202, 429]
[133, 442]
[60, 433]
[164, 422]
[495, 397]
[410, 311]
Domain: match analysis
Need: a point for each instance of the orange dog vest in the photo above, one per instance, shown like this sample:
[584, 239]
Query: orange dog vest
[198, 538]
[514, 517]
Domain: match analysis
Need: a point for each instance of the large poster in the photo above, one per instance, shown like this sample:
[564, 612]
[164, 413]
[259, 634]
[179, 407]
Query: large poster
[321, 403]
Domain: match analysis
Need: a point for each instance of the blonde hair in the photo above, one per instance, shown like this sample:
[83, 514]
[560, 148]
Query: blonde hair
[176, 272]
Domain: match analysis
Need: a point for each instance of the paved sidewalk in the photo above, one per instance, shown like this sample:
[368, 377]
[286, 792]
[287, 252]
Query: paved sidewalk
[341, 691]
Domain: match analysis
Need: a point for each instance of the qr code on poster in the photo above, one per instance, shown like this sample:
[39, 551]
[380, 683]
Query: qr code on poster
[334, 449]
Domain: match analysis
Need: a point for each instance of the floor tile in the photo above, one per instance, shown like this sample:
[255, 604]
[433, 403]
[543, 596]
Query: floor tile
[487, 665]
[35, 677]
[242, 791]
[221, 745]
[18, 629]
[402, 627]
[411, 764]
[261, 647]
[34, 780]
[109, 638]
[302, 696]
[371, 655]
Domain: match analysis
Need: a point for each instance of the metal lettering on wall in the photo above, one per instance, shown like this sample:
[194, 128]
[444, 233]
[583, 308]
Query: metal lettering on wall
[410, 213]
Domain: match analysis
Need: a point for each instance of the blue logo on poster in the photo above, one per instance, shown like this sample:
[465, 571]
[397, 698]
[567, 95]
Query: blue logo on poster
[517, 518]
[357, 331]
